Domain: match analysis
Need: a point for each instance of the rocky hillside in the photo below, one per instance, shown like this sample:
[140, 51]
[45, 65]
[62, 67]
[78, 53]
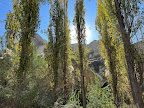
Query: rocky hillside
[38, 40]
[40, 43]
[93, 47]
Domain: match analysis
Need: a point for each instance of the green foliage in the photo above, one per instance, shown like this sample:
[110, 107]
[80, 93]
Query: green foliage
[100, 97]
[34, 94]
[6, 96]
[73, 100]
[58, 47]
[115, 21]
[112, 50]
[2, 45]
[56, 32]
[29, 12]
[12, 27]
[29, 80]
[5, 65]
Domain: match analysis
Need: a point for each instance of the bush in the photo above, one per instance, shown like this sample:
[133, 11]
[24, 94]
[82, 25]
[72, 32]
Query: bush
[73, 102]
[99, 97]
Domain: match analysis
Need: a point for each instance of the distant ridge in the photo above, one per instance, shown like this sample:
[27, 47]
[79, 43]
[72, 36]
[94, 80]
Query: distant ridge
[93, 46]
[38, 40]
[40, 43]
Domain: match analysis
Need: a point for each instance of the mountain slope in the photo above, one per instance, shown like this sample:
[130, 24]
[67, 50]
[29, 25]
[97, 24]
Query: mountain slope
[40, 43]
[38, 40]
[93, 46]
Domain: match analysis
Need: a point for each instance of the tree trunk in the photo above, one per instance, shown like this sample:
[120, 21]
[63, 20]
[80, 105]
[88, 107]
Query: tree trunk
[135, 87]
[81, 67]
[55, 67]
[80, 23]
[112, 69]
[56, 59]
[64, 72]
[114, 81]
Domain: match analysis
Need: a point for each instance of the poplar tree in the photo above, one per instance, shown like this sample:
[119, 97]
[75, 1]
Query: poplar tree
[122, 16]
[57, 37]
[126, 13]
[27, 16]
[79, 22]
[108, 49]
[66, 46]
[58, 48]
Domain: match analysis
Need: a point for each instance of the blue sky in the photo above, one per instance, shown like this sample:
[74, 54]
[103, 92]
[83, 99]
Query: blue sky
[6, 6]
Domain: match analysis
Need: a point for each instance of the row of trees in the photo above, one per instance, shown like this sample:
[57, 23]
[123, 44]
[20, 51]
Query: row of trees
[21, 26]
[58, 47]
[36, 81]
[59, 42]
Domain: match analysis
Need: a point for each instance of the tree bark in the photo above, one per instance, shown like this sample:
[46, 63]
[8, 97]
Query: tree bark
[64, 72]
[82, 75]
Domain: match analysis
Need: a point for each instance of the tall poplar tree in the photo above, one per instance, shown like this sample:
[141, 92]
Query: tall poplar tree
[79, 22]
[126, 13]
[108, 49]
[27, 15]
[122, 16]
[57, 45]
[66, 46]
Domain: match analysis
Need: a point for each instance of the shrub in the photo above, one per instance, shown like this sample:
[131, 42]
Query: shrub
[99, 97]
